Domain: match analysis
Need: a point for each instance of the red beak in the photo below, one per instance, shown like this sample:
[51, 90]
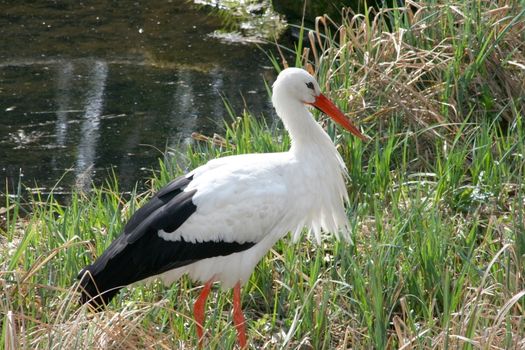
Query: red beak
[329, 108]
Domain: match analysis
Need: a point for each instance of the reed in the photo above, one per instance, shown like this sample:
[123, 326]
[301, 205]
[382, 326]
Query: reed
[436, 206]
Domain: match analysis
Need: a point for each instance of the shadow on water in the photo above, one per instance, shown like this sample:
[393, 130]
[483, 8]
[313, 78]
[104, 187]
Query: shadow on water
[105, 85]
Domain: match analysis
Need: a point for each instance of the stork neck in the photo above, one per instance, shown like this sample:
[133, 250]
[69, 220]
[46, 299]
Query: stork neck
[306, 134]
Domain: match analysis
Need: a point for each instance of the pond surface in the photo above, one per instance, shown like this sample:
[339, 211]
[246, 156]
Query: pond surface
[95, 87]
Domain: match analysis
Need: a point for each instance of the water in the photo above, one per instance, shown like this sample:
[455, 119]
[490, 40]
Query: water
[86, 89]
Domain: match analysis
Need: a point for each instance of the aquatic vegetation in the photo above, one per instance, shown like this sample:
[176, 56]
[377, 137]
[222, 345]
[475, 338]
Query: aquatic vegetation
[252, 21]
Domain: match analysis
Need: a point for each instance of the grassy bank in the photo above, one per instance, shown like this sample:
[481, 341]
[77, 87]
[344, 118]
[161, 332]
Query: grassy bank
[437, 199]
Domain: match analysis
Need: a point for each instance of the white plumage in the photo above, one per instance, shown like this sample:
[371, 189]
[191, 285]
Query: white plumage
[262, 197]
[235, 208]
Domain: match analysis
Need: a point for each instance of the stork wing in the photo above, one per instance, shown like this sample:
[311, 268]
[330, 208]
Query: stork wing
[201, 215]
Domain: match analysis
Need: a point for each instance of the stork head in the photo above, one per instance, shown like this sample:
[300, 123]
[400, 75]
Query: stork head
[297, 84]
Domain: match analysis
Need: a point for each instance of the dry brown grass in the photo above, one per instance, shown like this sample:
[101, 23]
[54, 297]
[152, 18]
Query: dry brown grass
[440, 68]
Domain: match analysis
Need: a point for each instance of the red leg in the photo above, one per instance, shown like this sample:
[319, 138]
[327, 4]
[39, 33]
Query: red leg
[238, 316]
[198, 310]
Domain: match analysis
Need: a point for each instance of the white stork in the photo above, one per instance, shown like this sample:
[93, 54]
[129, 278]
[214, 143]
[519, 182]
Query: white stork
[217, 222]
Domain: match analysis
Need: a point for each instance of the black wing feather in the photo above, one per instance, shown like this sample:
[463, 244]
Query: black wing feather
[166, 194]
[139, 252]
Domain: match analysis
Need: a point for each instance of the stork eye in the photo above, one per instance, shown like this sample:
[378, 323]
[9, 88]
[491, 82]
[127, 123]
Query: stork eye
[310, 85]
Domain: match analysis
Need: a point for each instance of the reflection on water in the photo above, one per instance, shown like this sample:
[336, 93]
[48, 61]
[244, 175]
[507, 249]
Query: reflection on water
[89, 131]
[107, 86]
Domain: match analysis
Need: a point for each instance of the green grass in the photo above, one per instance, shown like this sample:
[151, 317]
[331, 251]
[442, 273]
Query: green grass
[436, 206]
